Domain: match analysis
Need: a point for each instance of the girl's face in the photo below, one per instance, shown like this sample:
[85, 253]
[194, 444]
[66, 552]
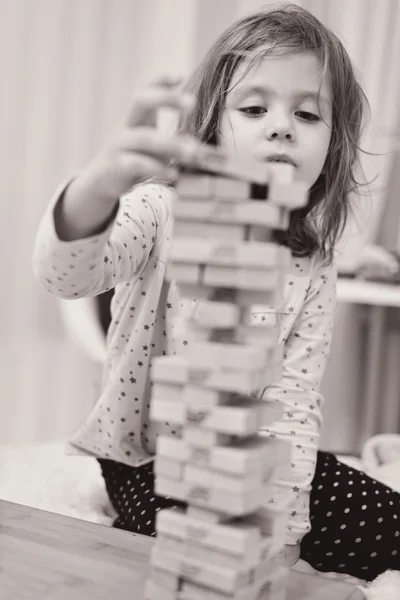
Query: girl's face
[275, 111]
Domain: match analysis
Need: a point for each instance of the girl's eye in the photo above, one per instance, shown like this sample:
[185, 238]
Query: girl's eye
[307, 116]
[253, 111]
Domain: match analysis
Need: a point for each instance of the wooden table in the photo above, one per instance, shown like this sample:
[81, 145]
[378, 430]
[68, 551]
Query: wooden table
[46, 556]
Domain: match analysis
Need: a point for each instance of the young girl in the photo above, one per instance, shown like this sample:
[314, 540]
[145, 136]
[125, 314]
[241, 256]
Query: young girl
[276, 85]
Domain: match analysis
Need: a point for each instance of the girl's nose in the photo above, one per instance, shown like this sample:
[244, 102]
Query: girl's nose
[280, 134]
[280, 129]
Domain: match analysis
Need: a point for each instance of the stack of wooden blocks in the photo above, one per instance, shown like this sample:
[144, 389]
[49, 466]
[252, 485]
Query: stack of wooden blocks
[222, 544]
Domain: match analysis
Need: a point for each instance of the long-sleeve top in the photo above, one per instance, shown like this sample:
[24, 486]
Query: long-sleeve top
[130, 255]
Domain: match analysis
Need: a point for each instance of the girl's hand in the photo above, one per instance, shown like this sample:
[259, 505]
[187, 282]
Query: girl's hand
[288, 556]
[138, 150]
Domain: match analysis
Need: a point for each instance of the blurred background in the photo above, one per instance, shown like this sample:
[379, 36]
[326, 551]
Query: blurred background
[68, 69]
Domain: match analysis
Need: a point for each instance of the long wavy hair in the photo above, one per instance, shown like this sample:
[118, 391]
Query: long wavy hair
[290, 29]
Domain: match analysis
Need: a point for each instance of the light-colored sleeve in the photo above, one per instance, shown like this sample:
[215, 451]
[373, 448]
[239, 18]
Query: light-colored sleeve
[305, 356]
[92, 265]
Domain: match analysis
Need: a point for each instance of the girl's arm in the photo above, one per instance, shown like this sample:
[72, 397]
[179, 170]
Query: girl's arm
[306, 352]
[90, 266]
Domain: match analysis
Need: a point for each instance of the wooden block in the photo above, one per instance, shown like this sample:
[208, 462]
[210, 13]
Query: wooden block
[216, 314]
[212, 159]
[168, 468]
[195, 185]
[264, 334]
[241, 420]
[176, 370]
[198, 333]
[271, 587]
[214, 576]
[280, 173]
[255, 255]
[254, 335]
[243, 298]
[206, 515]
[197, 396]
[251, 212]
[199, 229]
[243, 278]
[169, 581]
[248, 298]
[291, 195]
[169, 369]
[153, 591]
[167, 410]
[215, 479]
[192, 591]
[214, 355]
[167, 391]
[260, 590]
[173, 448]
[231, 335]
[231, 503]
[239, 539]
[263, 215]
[224, 580]
[206, 555]
[199, 437]
[227, 380]
[256, 454]
[230, 188]
[183, 272]
[195, 291]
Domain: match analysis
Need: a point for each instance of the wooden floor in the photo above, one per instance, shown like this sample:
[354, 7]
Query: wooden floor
[52, 557]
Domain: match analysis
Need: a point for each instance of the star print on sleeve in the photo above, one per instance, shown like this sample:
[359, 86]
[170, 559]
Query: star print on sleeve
[93, 265]
[306, 352]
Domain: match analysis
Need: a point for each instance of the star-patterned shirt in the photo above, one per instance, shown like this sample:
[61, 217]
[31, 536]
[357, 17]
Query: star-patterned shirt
[130, 255]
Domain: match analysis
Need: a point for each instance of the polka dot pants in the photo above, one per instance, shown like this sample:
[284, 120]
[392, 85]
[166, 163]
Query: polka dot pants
[355, 522]
[131, 493]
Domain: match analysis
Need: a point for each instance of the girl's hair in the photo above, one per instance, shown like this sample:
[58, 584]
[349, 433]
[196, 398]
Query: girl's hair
[290, 29]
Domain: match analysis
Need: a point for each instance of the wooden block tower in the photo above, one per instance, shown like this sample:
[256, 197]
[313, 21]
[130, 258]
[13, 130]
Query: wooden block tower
[222, 545]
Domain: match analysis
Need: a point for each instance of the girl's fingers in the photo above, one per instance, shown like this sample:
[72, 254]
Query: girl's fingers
[164, 93]
[150, 142]
[138, 167]
[128, 169]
